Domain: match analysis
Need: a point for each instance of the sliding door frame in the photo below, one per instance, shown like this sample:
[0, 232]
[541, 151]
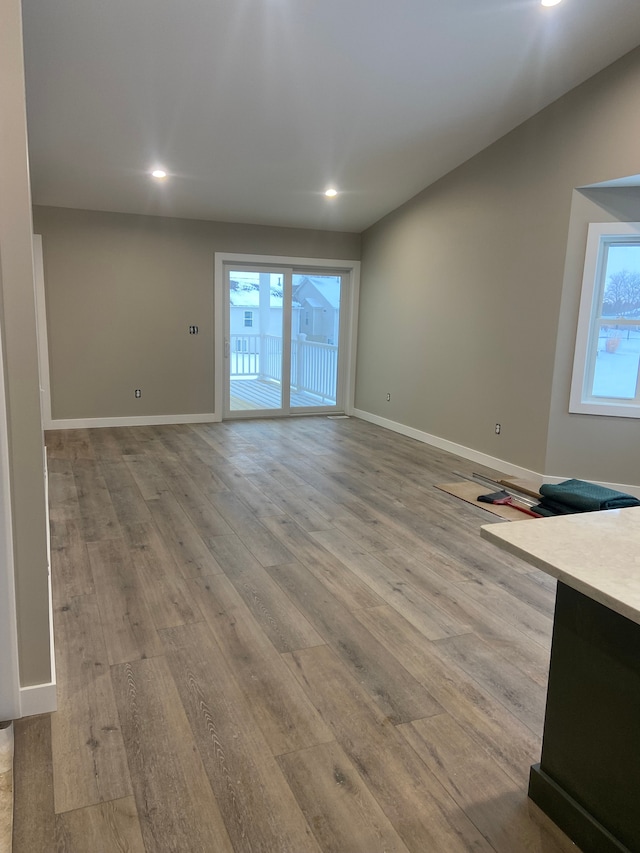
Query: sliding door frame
[285, 393]
[351, 271]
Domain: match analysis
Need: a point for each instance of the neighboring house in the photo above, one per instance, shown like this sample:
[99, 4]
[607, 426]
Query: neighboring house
[246, 317]
[319, 298]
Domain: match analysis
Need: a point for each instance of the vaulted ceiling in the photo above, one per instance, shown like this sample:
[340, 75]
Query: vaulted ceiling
[255, 107]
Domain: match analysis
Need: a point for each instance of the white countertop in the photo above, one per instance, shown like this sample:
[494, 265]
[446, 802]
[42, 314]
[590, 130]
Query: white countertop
[596, 553]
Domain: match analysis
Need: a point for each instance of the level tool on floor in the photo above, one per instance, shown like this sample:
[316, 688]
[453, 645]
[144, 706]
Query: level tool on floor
[498, 486]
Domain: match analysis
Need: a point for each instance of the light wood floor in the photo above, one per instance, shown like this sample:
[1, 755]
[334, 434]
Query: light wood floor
[277, 636]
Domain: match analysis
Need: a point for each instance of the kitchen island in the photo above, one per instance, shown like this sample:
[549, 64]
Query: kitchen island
[588, 778]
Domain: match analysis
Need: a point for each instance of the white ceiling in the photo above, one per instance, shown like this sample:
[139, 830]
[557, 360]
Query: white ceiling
[256, 106]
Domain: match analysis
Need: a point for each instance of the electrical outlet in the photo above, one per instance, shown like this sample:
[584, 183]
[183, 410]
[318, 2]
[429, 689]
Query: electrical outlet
[193, 330]
[388, 397]
[498, 429]
[137, 393]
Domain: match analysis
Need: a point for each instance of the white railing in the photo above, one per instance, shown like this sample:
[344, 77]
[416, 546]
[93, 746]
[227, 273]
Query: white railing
[245, 355]
[314, 366]
[272, 362]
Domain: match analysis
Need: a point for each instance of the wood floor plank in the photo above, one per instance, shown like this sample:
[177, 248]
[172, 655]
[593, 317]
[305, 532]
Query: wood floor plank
[70, 569]
[258, 502]
[230, 506]
[419, 809]
[184, 440]
[55, 441]
[367, 532]
[529, 620]
[110, 442]
[205, 518]
[126, 498]
[302, 495]
[343, 585]
[497, 675]
[89, 760]
[166, 592]
[63, 495]
[417, 609]
[280, 620]
[479, 787]
[181, 462]
[305, 516]
[338, 806]
[98, 517]
[176, 806]
[460, 602]
[286, 717]
[410, 524]
[255, 499]
[70, 444]
[270, 462]
[548, 583]
[142, 434]
[257, 805]
[148, 478]
[396, 692]
[509, 741]
[103, 828]
[523, 587]
[33, 812]
[413, 560]
[129, 630]
[181, 538]
[258, 538]
[210, 475]
[330, 488]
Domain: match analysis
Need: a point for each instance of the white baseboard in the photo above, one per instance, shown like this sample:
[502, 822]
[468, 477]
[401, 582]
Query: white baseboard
[134, 420]
[38, 699]
[450, 446]
[481, 458]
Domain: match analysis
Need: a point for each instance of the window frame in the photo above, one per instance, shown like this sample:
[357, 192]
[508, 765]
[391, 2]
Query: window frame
[248, 320]
[581, 400]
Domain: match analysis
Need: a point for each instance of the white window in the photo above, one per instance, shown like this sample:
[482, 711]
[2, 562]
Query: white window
[248, 319]
[606, 367]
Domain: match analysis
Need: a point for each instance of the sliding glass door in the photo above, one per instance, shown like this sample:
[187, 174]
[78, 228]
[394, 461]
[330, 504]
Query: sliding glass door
[255, 323]
[282, 322]
[315, 339]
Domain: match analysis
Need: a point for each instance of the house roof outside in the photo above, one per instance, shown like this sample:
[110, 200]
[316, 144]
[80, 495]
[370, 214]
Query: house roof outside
[326, 286]
[247, 295]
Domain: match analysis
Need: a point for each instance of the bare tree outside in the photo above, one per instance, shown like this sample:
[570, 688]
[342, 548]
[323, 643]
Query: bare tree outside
[622, 293]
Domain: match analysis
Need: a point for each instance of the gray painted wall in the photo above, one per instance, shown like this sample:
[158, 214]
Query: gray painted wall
[121, 293]
[461, 288]
[601, 448]
[17, 314]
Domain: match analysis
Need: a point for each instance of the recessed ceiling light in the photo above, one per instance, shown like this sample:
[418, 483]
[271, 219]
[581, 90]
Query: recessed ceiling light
[159, 173]
[330, 193]
[550, 2]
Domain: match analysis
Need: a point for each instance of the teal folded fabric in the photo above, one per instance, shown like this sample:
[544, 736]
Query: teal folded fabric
[581, 496]
[558, 508]
[546, 511]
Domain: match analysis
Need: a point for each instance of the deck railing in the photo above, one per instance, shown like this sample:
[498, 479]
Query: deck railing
[314, 366]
